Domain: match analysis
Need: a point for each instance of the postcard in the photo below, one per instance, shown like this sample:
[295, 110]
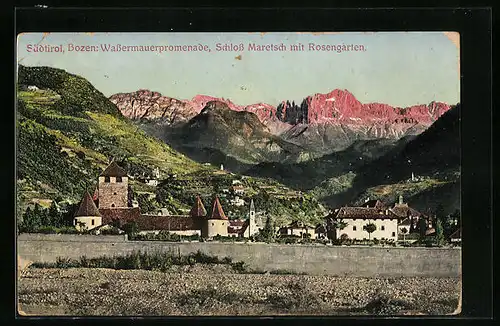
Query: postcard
[238, 174]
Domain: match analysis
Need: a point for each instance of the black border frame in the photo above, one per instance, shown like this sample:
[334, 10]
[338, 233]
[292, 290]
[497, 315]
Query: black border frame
[473, 24]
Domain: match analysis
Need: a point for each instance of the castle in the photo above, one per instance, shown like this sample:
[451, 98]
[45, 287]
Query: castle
[110, 206]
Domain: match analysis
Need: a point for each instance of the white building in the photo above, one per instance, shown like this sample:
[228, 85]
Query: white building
[385, 221]
[238, 190]
[237, 201]
[88, 216]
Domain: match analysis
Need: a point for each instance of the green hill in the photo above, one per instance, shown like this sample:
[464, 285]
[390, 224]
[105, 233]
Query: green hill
[67, 131]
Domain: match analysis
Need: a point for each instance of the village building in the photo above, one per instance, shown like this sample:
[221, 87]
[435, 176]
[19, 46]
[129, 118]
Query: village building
[237, 201]
[238, 189]
[110, 207]
[408, 217]
[87, 217]
[385, 221]
[389, 221]
[298, 228]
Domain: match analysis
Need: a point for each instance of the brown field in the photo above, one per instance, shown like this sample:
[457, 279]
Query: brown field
[217, 290]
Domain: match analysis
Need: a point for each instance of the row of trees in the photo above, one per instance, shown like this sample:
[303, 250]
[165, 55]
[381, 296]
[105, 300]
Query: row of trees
[40, 218]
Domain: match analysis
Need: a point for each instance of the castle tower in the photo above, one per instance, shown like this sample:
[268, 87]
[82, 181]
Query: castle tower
[113, 187]
[252, 227]
[198, 209]
[217, 222]
[88, 216]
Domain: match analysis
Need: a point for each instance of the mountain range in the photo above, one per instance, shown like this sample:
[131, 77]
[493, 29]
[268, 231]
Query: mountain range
[328, 145]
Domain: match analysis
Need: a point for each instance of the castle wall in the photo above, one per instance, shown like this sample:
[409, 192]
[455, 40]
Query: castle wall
[182, 232]
[215, 227]
[113, 194]
[360, 261]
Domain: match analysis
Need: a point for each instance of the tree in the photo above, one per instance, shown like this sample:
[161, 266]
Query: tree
[412, 224]
[422, 227]
[267, 233]
[131, 229]
[332, 226]
[440, 212]
[30, 221]
[54, 216]
[370, 228]
[404, 231]
[439, 232]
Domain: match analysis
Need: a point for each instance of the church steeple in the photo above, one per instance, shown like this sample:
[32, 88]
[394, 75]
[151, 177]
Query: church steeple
[252, 227]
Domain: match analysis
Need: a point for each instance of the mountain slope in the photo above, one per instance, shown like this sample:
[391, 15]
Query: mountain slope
[433, 157]
[68, 131]
[236, 134]
[62, 146]
[316, 172]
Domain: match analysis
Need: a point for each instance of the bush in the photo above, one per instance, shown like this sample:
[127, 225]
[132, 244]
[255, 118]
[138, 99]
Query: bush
[143, 260]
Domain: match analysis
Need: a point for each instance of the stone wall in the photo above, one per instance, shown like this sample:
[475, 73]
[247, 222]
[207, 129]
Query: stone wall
[312, 259]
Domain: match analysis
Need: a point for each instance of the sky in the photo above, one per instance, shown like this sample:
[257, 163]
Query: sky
[396, 68]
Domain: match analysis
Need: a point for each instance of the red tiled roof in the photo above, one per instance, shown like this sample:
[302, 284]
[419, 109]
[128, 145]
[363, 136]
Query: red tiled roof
[237, 228]
[87, 207]
[217, 212]
[364, 213]
[122, 215]
[113, 170]
[172, 223]
[237, 223]
[403, 211]
[198, 210]
[374, 203]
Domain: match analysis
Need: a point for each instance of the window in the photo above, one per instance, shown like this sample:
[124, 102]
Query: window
[114, 193]
[354, 228]
[118, 179]
[382, 228]
[222, 223]
[213, 224]
[112, 205]
[106, 179]
[393, 234]
[92, 222]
